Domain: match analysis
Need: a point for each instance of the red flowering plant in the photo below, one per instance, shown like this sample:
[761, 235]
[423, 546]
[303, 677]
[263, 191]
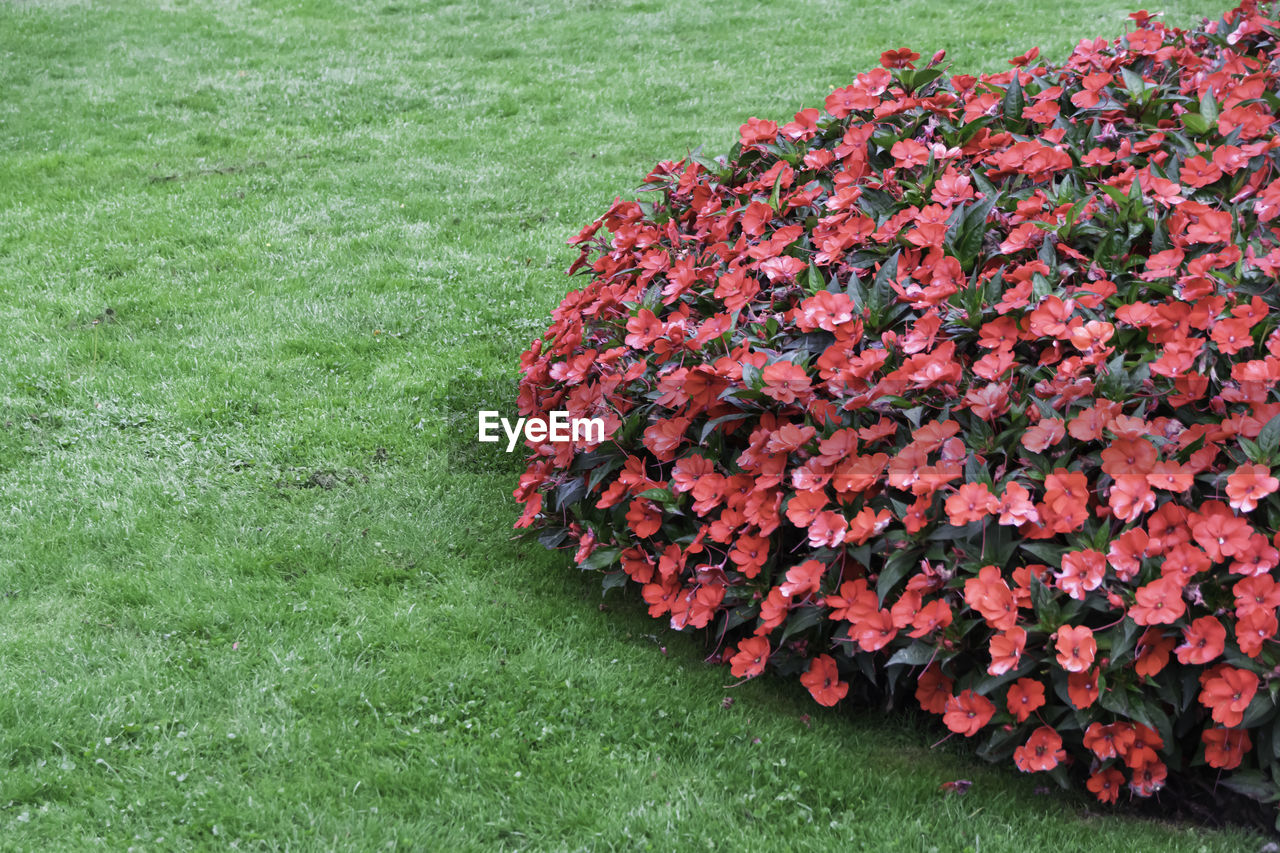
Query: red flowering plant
[962, 391]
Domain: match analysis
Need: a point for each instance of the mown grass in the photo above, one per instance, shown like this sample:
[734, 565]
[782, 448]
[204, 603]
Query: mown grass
[260, 264]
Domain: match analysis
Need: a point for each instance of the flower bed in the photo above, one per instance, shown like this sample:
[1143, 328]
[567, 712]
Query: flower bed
[960, 390]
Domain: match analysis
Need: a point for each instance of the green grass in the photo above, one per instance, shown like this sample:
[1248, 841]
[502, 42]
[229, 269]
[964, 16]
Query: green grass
[260, 264]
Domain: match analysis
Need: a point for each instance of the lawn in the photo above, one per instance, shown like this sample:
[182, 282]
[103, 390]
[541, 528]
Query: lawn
[260, 266]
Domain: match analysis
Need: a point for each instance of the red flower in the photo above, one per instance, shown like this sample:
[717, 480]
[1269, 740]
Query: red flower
[1130, 496]
[1182, 562]
[660, 596]
[1105, 784]
[1220, 533]
[1227, 692]
[1016, 507]
[967, 713]
[737, 289]
[1153, 653]
[907, 153]
[1256, 593]
[758, 131]
[990, 595]
[1202, 641]
[1198, 172]
[1140, 750]
[1042, 751]
[1024, 697]
[1076, 648]
[1006, 650]
[932, 616]
[665, 436]
[786, 381]
[1082, 572]
[1158, 603]
[903, 57]
[1250, 484]
[749, 554]
[1254, 629]
[823, 681]
[867, 523]
[805, 506]
[1225, 748]
[803, 579]
[1149, 778]
[933, 689]
[1109, 741]
[645, 518]
[753, 653]
[1082, 689]
[854, 602]
[1043, 435]
[773, 611]
[971, 502]
[875, 631]
[828, 530]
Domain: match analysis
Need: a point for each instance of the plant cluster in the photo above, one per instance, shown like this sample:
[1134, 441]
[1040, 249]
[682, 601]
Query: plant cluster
[959, 390]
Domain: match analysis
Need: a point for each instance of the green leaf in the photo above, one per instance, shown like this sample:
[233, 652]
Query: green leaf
[1195, 123]
[1001, 743]
[1048, 253]
[878, 204]
[948, 532]
[984, 185]
[1269, 438]
[1042, 599]
[895, 568]
[601, 471]
[1252, 450]
[1116, 700]
[704, 161]
[1209, 107]
[1121, 200]
[552, 536]
[1040, 287]
[975, 471]
[1133, 82]
[1013, 100]
[1059, 775]
[856, 291]
[1185, 453]
[1074, 212]
[802, 619]
[1051, 554]
[662, 496]
[1126, 641]
[880, 290]
[570, 491]
[1135, 202]
[968, 242]
[916, 654]
[914, 80]
[600, 558]
[988, 683]
[710, 425]
[737, 616]
[1254, 785]
[816, 280]
[1259, 710]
